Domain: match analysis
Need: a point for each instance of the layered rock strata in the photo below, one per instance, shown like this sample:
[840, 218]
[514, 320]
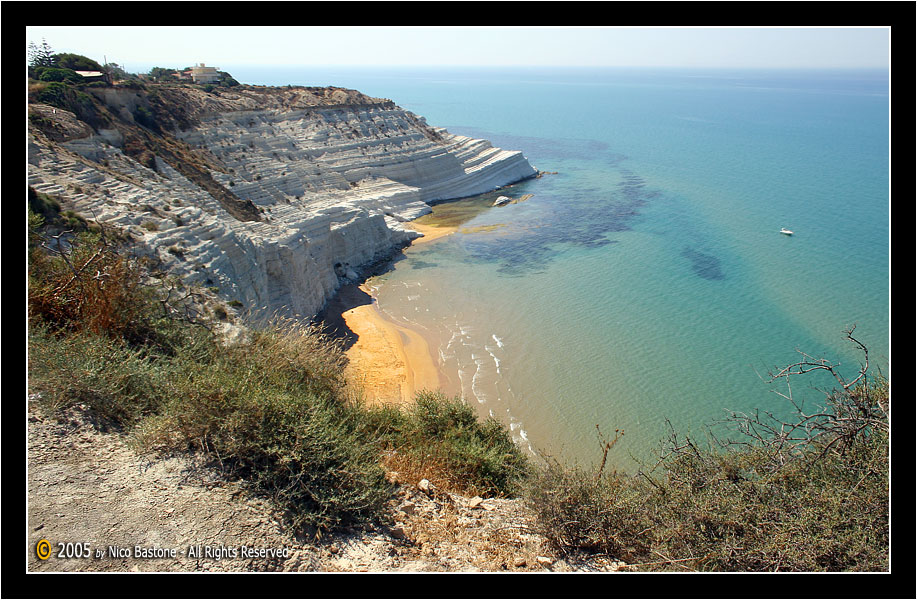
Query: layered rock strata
[328, 177]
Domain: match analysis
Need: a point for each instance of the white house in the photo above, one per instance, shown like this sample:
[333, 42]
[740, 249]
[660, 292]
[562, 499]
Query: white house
[203, 74]
[94, 76]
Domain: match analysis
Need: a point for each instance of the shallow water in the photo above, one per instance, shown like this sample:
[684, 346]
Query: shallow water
[645, 283]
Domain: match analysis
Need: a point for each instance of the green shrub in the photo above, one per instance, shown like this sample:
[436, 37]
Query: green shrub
[578, 511]
[43, 204]
[163, 74]
[272, 409]
[118, 384]
[56, 74]
[759, 507]
[49, 210]
[56, 94]
[77, 62]
[73, 220]
[62, 95]
[442, 439]
[144, 116]
[227, 80]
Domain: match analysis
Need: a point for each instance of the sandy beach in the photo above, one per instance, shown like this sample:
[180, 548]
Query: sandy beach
[430, 232]
[388, 360]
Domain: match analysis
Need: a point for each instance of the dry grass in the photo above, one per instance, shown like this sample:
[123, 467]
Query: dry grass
[488, 545]
[762, 507]
[410, 469]
[442, 439]
[84, 284]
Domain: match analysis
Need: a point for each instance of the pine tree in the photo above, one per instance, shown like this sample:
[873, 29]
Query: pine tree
[40, 56]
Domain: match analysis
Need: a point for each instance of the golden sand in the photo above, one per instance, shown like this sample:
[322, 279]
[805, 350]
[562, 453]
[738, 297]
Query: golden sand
[388, 360]
[430, 232]
[391, 362]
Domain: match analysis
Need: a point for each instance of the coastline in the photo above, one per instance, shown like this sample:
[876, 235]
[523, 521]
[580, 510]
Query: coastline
[389, 361]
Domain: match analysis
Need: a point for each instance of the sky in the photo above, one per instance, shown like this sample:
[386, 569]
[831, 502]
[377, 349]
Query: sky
[137, 49]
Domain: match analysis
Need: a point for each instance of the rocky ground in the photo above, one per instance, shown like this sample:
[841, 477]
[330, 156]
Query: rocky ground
[86, 486]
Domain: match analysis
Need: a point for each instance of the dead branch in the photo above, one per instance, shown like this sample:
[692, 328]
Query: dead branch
[849, 412]
[606, 446]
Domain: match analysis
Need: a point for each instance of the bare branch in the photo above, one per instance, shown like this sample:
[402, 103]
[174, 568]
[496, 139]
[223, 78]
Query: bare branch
[606, 446]
[849, 412]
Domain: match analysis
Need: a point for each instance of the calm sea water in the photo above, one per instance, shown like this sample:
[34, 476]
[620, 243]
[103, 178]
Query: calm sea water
[644, 284]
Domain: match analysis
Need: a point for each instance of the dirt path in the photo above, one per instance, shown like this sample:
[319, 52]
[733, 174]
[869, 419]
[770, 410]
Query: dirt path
[88, 487]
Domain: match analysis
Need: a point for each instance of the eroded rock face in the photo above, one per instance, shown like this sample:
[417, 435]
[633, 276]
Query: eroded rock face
[333, 182]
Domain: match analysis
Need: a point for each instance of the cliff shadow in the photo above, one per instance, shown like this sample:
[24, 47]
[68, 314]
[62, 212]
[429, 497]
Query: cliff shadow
[331, 319]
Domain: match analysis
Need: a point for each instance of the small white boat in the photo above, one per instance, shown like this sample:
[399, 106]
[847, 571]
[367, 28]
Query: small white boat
[785, 231]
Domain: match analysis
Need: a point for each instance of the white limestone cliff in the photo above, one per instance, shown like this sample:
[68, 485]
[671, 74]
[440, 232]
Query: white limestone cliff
[333, 184]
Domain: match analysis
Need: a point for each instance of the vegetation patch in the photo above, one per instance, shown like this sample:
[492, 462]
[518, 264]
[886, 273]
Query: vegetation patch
[443, 440]
[804, 495]
[56, 74]
[64, 95]
[43, 205]
[271, 408]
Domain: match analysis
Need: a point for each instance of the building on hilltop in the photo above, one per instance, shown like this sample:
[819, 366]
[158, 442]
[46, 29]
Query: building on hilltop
[95, 76]
[203, 74]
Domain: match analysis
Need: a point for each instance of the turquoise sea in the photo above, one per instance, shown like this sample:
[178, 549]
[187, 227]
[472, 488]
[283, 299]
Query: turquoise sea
[645, 283]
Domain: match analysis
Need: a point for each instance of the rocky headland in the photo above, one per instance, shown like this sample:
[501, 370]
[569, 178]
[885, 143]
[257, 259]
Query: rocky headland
[271, 197]
[268, 200]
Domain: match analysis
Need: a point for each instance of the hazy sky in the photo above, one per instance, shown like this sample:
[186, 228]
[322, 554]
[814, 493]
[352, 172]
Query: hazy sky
[139, 48]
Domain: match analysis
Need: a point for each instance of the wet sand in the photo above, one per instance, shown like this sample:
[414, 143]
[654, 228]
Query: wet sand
[389, 361]
[430, 232]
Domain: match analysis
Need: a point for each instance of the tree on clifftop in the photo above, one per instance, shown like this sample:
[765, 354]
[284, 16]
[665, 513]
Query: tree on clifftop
[163, 74]
[40, 56]
[117, 72]
[76, 62]
[227, 80]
